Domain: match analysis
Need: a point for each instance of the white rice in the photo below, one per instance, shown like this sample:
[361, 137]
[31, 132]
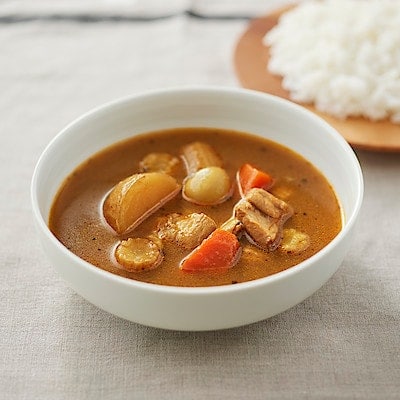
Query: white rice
[342, 56]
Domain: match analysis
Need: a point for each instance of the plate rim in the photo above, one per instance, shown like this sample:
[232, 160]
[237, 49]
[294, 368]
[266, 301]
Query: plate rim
[252, 77]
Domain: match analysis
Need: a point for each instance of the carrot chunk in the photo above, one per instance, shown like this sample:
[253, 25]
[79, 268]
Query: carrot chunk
[220, 250]
[249, 177]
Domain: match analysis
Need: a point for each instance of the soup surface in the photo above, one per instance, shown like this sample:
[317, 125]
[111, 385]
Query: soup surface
[77, 219]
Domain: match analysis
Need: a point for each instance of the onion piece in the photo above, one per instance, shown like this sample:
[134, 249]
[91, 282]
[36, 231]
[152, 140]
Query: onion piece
[208, 186]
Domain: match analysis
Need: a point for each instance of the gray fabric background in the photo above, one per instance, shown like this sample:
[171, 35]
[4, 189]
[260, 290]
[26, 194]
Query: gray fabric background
[341, 343]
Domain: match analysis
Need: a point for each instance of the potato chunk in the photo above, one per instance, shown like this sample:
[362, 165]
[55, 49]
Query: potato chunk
[138, 254]
[136, 197]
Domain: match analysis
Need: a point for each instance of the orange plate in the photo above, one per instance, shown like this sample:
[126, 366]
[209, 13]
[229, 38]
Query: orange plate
[251, 59]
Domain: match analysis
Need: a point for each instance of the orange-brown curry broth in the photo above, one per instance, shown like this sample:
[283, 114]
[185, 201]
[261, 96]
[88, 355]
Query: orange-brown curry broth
[76, 215]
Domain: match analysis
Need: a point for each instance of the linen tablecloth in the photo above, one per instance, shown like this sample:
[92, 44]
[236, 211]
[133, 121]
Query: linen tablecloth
[341, 343]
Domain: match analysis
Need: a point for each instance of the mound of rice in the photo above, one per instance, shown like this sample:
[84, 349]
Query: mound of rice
[342, 56]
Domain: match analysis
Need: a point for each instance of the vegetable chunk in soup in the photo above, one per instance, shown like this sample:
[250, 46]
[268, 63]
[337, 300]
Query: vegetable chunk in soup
[195, 207]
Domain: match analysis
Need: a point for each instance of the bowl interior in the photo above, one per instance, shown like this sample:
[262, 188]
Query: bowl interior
[238, 109]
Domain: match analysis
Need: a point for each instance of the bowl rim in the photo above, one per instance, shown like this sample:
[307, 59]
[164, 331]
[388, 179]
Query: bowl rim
[42, 225]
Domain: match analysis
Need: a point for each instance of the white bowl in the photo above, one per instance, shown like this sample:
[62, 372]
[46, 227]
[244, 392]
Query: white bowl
[206, 308]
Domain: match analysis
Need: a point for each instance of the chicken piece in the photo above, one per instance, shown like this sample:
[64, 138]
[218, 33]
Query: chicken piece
[159, 162]
[199, 155]
[187, 231]
[139, 254]
[294, 241]
[263, 216]
[269, 204]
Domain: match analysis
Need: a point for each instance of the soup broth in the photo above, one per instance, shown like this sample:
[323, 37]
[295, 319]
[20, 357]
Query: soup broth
[77, 219]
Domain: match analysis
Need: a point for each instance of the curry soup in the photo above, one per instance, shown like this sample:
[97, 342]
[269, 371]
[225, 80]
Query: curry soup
[77, 216]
